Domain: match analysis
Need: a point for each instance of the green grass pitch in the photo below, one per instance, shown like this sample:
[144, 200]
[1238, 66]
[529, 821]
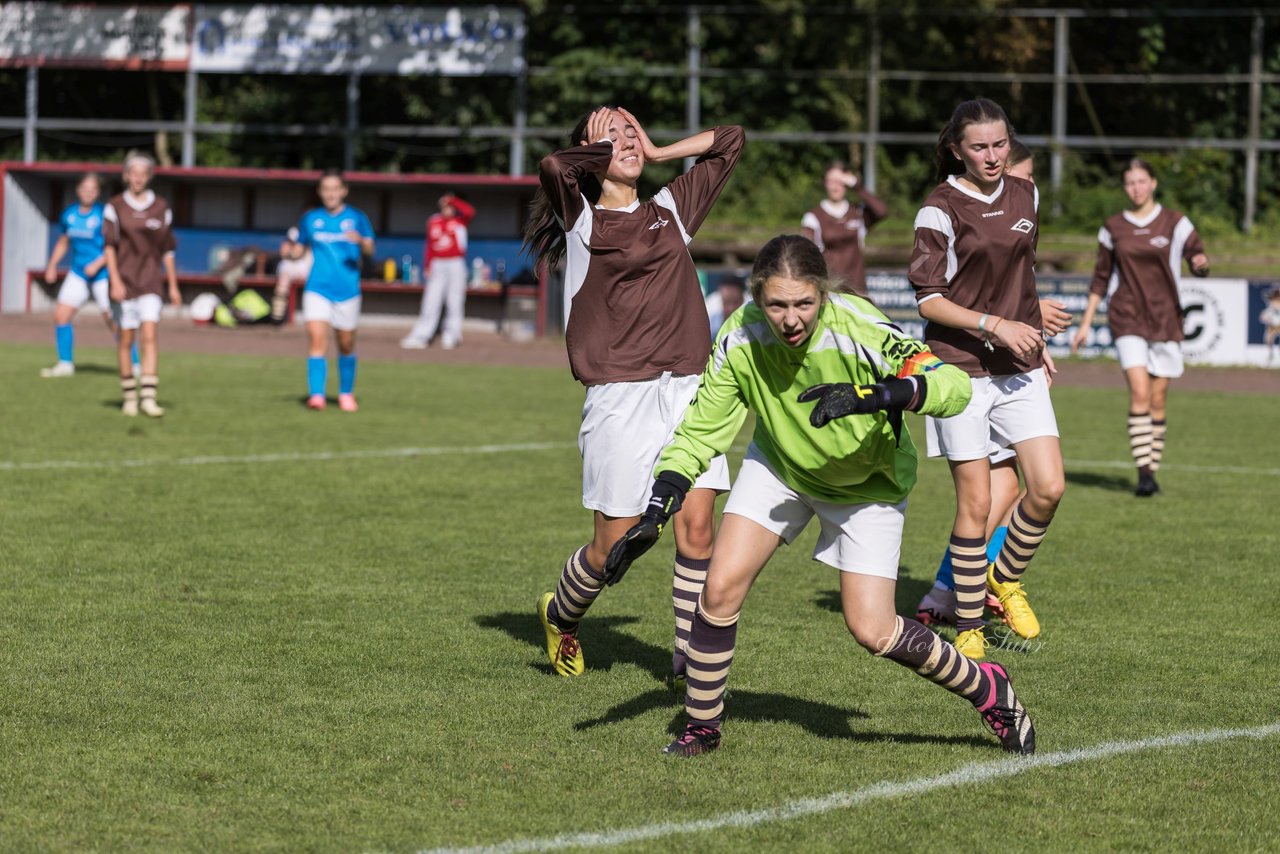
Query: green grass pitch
[252, 627]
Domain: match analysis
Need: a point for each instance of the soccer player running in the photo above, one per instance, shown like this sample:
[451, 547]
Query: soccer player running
[81, 225]
[637, 336]
[972, 269]
[339, 236]
[939, 603]
[444, 258]
[828, 377]
[1140, 255]
[138, 245]
[839, 227]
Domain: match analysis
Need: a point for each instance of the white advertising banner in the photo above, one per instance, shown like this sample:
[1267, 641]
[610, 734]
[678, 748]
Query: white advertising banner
[73, 35]
[280, 39]
[1215, 320]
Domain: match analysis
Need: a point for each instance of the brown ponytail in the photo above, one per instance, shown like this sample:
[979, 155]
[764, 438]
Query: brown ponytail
[543, 233]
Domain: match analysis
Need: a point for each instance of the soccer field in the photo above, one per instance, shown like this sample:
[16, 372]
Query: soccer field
[249, 626]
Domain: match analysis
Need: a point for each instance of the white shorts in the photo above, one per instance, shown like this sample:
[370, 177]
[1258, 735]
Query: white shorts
[625, 426]
[861, 538]
[343, 315]
[132, 313]
[75, 292]
[1160, 358]
[1004, 411]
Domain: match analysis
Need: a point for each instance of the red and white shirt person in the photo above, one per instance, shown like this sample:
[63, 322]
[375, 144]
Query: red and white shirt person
[444, 259]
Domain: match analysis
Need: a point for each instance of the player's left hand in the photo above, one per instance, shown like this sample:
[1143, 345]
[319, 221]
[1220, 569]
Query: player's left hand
[669, 489]
[836, 400]
[175, 296]
[1200, 265]
[651, 152]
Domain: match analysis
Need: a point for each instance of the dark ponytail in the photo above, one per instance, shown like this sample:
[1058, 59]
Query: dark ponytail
[979, 111]
[543, 233]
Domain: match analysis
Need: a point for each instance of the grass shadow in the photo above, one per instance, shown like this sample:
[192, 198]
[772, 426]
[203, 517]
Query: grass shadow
[822, 720]
[906, 596]
[603, 644]
[97, 369]
[1113, 482]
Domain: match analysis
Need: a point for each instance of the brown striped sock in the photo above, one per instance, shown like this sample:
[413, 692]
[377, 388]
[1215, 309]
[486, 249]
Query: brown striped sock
[1025, 535]
[1157, 443]
[149, 383]
[686, 587]
[914, 646]
[969, 567]
[129, 388]
[579, 586]
[1140, 436]
[711, 645]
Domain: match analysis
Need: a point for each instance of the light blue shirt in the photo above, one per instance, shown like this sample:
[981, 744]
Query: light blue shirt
[335, 264]
[84, 230]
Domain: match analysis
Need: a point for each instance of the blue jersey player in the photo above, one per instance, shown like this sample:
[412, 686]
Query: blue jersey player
[338, 236]
[81, 226]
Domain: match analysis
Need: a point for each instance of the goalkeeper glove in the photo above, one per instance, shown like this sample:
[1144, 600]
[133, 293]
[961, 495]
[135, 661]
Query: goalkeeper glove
[668, 493]
[836, 400]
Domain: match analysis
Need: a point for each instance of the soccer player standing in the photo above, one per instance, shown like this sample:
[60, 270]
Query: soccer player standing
[81, 225]
[637, 336]
[138, 245]
[972, 269]
[839, 226]
[339, 236]
[444, 258]
[1140, 255]
[828, 377]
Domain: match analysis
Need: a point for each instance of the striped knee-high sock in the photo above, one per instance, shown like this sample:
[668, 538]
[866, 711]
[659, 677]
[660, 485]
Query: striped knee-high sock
[579, 586]
[969, 568]
[129, 388]
[1025, 535]
[686, 586]
[711, 645]
[1157, 443]
[1140, 435]
[914, 646]
[149, 383]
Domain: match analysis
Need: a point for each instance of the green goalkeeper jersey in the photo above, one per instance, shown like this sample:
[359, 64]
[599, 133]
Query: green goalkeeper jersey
[856, 459]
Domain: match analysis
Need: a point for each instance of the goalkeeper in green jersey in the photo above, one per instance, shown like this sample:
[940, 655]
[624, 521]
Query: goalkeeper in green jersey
[828, 377]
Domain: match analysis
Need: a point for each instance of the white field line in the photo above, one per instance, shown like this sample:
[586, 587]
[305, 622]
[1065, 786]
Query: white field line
[288, 457]
[967, 775]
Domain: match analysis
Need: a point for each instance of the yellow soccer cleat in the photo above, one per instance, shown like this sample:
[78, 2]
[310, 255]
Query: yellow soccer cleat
[1017, 612]
[972, 644]
[563, 649]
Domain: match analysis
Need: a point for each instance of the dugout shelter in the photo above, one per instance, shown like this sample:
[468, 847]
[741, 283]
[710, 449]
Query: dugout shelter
[217, 209]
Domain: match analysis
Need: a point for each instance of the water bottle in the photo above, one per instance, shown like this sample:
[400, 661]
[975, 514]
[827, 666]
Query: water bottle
[406, 269]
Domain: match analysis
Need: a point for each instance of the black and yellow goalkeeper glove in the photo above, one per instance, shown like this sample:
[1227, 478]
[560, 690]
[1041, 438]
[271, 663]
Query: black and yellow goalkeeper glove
[836, 400]
[668, 494]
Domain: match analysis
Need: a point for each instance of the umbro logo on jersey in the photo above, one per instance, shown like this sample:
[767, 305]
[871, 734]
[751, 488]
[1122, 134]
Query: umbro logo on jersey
[661, 223]
[1159, 241]
[1023, 225]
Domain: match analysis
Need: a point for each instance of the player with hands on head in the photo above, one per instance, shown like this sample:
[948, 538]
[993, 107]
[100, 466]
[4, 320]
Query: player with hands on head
[973, 271]
[637, 334]
[797, 356]
[839, 225]
[1140, 255]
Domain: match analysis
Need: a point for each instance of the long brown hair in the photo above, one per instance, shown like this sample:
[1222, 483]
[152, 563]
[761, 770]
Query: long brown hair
[979, 111]
[794, 257]
[543, 233]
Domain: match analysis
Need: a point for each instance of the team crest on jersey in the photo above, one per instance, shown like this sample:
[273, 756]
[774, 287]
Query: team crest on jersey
[154, 224]
[661, 223]
[1024, 225]
[1159, 241]
[347, 225]
[317, 223]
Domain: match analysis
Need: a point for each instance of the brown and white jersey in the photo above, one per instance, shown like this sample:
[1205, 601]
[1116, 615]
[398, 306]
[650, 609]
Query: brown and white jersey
[979, 252]
[141, 231]
[1139, 262]
[840, 231]
[633, 306]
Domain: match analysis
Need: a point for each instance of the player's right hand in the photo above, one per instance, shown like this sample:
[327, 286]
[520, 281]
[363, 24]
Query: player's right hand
[1082, 334]
[50, 275]
[669, 489]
